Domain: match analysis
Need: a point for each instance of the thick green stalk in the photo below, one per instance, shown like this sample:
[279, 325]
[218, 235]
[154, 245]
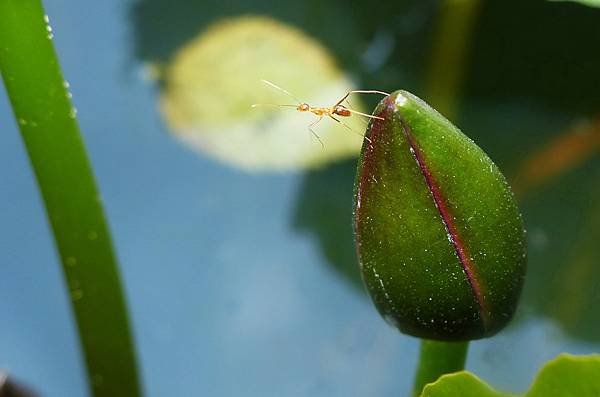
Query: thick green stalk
[449, 54]
[46, 118]
[437, 359]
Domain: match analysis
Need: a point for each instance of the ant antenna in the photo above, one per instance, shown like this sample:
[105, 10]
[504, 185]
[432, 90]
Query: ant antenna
[349, 105]
[271, 104]
[282, 90]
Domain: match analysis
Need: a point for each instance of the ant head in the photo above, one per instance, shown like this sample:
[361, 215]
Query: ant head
[303, 107]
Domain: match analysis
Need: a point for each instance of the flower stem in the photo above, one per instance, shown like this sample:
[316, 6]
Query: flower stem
[42, 107]
[450, 52]
[436, 359]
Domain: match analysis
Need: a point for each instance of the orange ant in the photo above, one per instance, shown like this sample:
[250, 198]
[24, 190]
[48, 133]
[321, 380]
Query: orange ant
[336, 110]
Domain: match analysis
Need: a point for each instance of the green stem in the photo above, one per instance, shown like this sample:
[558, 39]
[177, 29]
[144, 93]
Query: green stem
[450, 50]
[46, 118]
[437, 359]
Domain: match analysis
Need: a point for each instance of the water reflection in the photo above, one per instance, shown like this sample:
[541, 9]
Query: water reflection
[323, 209]
[347, 29]
[538, 51]
[552, 161]
[564, 230]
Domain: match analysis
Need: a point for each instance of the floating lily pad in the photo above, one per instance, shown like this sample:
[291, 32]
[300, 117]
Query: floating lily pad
[212, 82]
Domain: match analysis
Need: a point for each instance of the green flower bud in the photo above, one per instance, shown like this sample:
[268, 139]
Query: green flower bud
[439, 237]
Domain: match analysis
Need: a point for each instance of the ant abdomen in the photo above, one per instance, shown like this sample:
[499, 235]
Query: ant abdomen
[342, 111]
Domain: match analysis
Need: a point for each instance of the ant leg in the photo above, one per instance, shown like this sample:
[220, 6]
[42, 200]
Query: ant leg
[350, 128]
[350, 107]
[368, 92]
[360, 92]
[366, 115]
[310, 128]
[343, 99]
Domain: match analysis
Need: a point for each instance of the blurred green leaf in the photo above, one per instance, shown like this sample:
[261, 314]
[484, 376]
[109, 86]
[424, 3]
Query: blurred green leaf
[564, 230]
[563, 153]
[323, 210]
[553, 162]
[564, 376]
[550, 61]
[460, 384]
[591, 3]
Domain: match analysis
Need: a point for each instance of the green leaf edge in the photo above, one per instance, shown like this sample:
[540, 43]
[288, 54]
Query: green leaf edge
[589, 3]
[564, 370]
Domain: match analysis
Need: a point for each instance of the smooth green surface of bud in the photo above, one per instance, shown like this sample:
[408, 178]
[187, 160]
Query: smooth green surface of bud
[439, 237]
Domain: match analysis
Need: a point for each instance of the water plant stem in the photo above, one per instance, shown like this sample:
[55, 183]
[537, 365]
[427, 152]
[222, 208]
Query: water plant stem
[42, 107]
[449, 55]
[436, 359]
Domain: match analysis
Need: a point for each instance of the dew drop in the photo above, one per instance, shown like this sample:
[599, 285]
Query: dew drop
[401, 100]
[97, 379]
[390, 319]
[49, 30]
[71, 261]
[76, 294]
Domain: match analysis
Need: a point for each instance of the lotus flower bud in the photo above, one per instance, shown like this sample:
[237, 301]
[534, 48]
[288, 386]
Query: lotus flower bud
[439, 236]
